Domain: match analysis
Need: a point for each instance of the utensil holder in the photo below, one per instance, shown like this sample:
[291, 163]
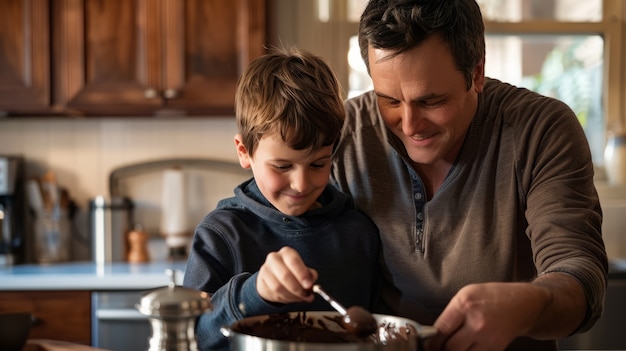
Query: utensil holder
[52, 236]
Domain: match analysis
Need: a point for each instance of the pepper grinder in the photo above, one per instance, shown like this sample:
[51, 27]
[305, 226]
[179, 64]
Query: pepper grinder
[137, 243]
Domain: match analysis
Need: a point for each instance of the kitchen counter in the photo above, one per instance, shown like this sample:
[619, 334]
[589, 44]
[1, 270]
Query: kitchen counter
[123, 276]
[89, 276]
[617, 268]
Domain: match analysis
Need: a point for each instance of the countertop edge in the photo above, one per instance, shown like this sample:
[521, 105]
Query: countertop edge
[90, 276]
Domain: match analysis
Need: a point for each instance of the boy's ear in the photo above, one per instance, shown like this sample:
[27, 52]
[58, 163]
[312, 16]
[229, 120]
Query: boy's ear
[242, 152]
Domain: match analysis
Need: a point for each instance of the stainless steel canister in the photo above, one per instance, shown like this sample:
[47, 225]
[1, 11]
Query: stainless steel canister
[173, 311]
[110, 221]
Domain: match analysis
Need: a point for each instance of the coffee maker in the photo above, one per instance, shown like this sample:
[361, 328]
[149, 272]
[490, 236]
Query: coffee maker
[12, 210]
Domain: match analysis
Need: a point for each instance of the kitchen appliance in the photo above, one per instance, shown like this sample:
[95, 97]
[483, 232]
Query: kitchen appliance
[240, 341]
[173, 311]
[116, 323]
[110, 222]
[12, 210]
[174, 223]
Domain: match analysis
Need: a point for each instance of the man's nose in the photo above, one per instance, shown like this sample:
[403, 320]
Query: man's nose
[410, 119]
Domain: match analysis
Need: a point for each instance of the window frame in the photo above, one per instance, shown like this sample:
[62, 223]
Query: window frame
[613, 29]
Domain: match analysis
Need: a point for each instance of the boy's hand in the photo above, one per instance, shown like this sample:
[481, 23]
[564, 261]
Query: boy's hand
[284, 278]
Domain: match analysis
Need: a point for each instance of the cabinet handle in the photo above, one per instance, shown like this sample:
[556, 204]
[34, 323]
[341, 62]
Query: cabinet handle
[119, 314]
[171, 93]
[34, 320]
[150, 93]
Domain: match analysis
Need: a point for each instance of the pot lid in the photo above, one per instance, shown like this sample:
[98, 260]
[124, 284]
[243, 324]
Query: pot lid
[174, 301]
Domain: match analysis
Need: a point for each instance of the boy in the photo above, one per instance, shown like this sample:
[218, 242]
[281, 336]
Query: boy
[261, 251]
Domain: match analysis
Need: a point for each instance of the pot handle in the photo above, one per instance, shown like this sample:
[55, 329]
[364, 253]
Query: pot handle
[426, 331]
[227, 332]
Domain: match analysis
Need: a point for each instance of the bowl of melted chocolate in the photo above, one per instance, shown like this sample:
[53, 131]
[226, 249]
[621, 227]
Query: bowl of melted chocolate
[323, 331]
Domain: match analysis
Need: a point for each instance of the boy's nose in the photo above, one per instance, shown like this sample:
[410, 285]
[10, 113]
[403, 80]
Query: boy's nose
[299, 181]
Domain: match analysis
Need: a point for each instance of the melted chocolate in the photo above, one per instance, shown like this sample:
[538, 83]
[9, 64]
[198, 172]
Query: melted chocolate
[359, 321]
[329, 329]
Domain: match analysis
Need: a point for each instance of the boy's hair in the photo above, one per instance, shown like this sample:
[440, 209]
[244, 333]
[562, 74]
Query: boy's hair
[401, 25]
[292, 94]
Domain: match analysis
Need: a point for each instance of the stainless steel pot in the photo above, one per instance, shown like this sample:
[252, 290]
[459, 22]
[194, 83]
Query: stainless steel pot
[245, 342]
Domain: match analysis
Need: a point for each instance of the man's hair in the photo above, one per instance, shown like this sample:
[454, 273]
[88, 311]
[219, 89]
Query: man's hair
[292, 94]
[401, 25]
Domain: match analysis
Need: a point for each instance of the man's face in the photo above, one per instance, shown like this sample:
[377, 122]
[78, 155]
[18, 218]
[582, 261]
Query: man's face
[291, 180]
[424, 100]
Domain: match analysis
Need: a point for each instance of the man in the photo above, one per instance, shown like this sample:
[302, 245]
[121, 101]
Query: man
[483, 193]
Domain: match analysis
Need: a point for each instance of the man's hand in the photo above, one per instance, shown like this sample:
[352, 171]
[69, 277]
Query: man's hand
[284, 278]
[490, 316]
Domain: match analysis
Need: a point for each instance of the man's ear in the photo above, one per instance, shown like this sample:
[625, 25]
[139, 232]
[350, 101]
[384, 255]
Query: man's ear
[479, 76]
[242, 152]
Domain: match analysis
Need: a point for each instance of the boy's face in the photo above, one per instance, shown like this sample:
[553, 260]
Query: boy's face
[291, 180]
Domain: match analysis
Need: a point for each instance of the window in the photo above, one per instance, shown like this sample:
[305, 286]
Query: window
[569, 49]
[568, 68]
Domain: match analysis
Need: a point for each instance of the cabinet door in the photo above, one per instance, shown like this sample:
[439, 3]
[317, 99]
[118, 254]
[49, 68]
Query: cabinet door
[24, 56]
[208, 43]
[146, 57]
[59, 315]
[107, 56]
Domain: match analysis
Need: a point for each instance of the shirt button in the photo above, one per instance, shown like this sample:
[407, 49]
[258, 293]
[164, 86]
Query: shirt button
[418, 196]
[420, 216]
[286, 220]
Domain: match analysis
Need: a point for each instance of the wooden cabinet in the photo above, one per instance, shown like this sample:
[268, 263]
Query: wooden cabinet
[59, 315]
[130, 57]
[24, 56]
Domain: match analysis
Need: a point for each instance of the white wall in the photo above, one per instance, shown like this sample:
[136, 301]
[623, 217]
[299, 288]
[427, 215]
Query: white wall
[82, 152]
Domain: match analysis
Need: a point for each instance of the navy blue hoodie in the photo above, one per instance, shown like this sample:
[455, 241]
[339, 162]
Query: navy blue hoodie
[232, 242]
